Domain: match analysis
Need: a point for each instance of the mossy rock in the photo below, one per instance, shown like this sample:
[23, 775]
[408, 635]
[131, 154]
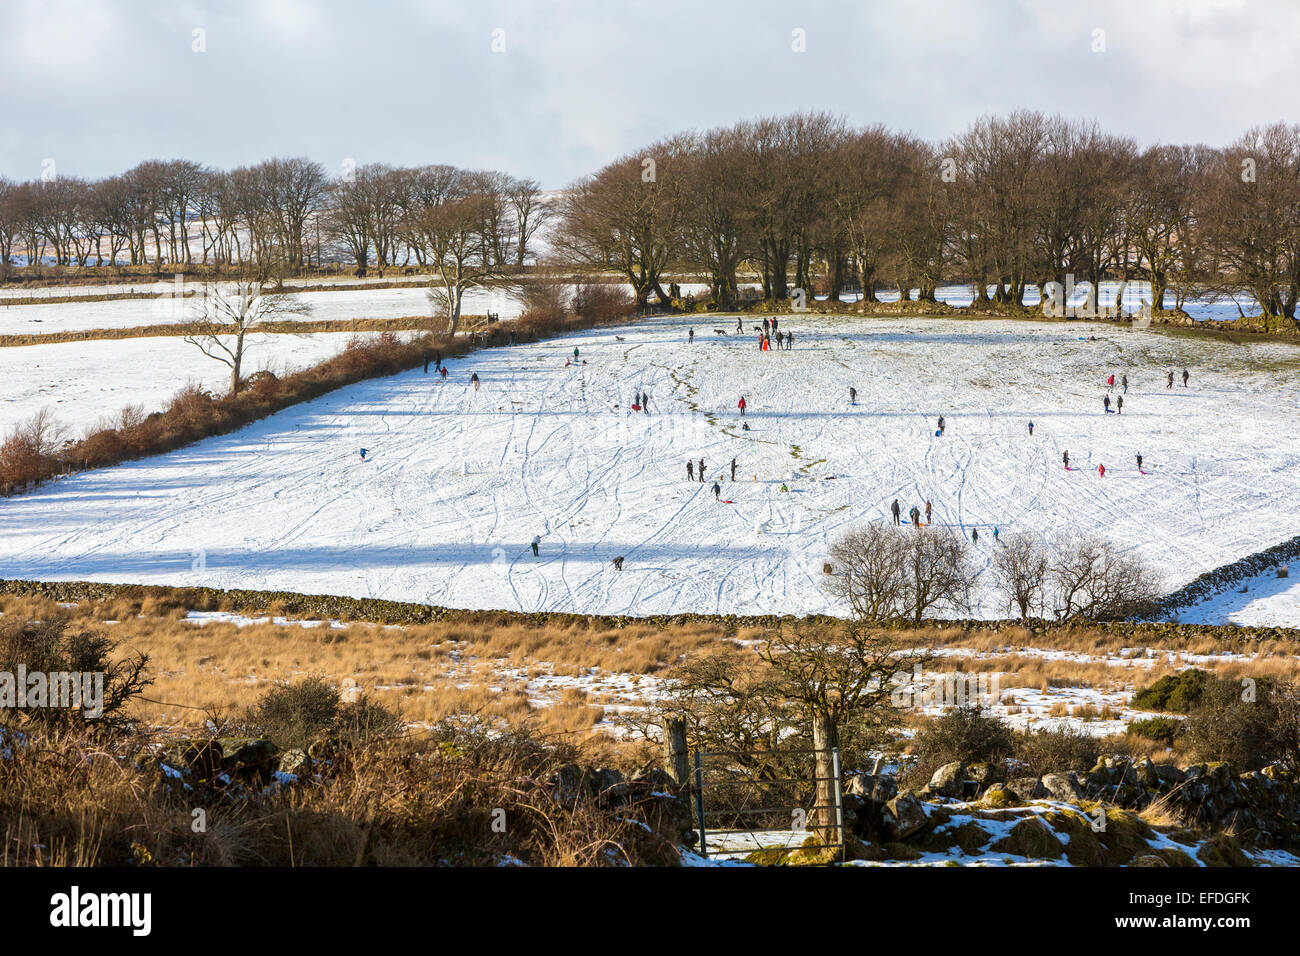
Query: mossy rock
[1126, 836]
[900, 851]
[1173, 857]
[998, 797]
[1083, 848]
[1149, 859]
[1223, 850]
[968, 838]
[1030, 838]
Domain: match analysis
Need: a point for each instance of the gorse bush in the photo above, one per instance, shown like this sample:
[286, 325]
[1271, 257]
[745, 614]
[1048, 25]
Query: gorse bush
[1178, 693]
[50, 647]
[297, 714]
[1163, 729]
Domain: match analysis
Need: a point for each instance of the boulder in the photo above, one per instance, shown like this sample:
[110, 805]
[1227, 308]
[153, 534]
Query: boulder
[1026, 788]
[949, 780]
[1063, 786]
[903, 816]
[245, 757]
[295, 762]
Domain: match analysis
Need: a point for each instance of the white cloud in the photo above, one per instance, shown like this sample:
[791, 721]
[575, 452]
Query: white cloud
[102, 85]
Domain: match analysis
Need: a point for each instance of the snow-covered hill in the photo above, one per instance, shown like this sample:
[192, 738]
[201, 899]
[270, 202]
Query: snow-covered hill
[456, 482]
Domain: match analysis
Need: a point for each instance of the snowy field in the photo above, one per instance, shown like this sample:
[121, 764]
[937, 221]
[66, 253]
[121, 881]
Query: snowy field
[457, 481]
[413, 300]
[82, 382]
[335, 305]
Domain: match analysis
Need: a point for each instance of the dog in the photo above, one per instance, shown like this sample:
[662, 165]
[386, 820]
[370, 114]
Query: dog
[618, 338]
[720, 331]
[618, 563]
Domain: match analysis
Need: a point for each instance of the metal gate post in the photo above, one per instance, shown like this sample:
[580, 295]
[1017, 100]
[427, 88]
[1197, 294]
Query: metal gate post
[699, 803]
[839, 803]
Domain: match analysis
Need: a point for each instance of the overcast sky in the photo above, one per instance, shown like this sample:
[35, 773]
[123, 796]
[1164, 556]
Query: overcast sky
[99, 86]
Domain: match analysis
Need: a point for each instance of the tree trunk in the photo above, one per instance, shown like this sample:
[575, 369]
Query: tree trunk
[237, 363]
[824, 823]
[675, 756]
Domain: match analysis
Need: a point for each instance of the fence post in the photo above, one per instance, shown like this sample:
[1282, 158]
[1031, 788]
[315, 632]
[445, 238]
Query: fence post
[839, 805]
[676, 759]
[699, 802]
[825, 764]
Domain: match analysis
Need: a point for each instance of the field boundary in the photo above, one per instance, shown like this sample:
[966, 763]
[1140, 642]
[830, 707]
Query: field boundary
[1218, 579]
[382, 611]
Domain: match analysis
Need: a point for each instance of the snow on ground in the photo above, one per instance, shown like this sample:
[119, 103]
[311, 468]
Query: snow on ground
[83, 382]
[334, 305]
[1266, 600]
[457, 481]
[412, 300]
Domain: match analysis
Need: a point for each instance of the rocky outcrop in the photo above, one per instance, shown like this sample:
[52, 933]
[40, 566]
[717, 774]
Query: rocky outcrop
[1261, 808]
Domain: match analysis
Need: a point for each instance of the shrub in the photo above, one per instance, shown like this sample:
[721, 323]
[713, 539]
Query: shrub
[1066, 748]
[1178, 693]
[99, 449]
[600, 302]
[20, 462]
[1248, 724]
[962, 734]
[294, 715]
[48, 646]
[1163, 729]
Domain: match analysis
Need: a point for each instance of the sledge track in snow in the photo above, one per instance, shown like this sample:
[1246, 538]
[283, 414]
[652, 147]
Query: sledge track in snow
[286, 503]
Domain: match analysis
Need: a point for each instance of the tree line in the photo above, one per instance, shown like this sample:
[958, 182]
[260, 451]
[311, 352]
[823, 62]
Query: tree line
[284, 211]
[803, 202]
[1010, 204]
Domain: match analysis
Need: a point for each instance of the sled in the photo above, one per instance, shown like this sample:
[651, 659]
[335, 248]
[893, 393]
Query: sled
[726, 501]
[938, 433]
[636, 408]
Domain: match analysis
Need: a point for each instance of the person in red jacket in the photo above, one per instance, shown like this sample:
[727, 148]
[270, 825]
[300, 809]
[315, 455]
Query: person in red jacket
[741, 405]
[1101, 471]
[1110, 382]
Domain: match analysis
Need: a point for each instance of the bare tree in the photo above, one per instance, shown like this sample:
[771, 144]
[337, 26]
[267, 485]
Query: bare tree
[232, 311]
[1094, 581]
[455, 223]
[938, 574]
[866, 572]
[1022, 565]
[886, 573]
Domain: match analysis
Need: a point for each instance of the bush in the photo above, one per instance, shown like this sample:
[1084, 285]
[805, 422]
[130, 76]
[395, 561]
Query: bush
[963, 734]
[294, 715]
[1177, 693]
[600, 302]
[1247, 724]
[102, 448]
[1046, 751]
[48, 647]
[20, 462]
[1162, 729]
